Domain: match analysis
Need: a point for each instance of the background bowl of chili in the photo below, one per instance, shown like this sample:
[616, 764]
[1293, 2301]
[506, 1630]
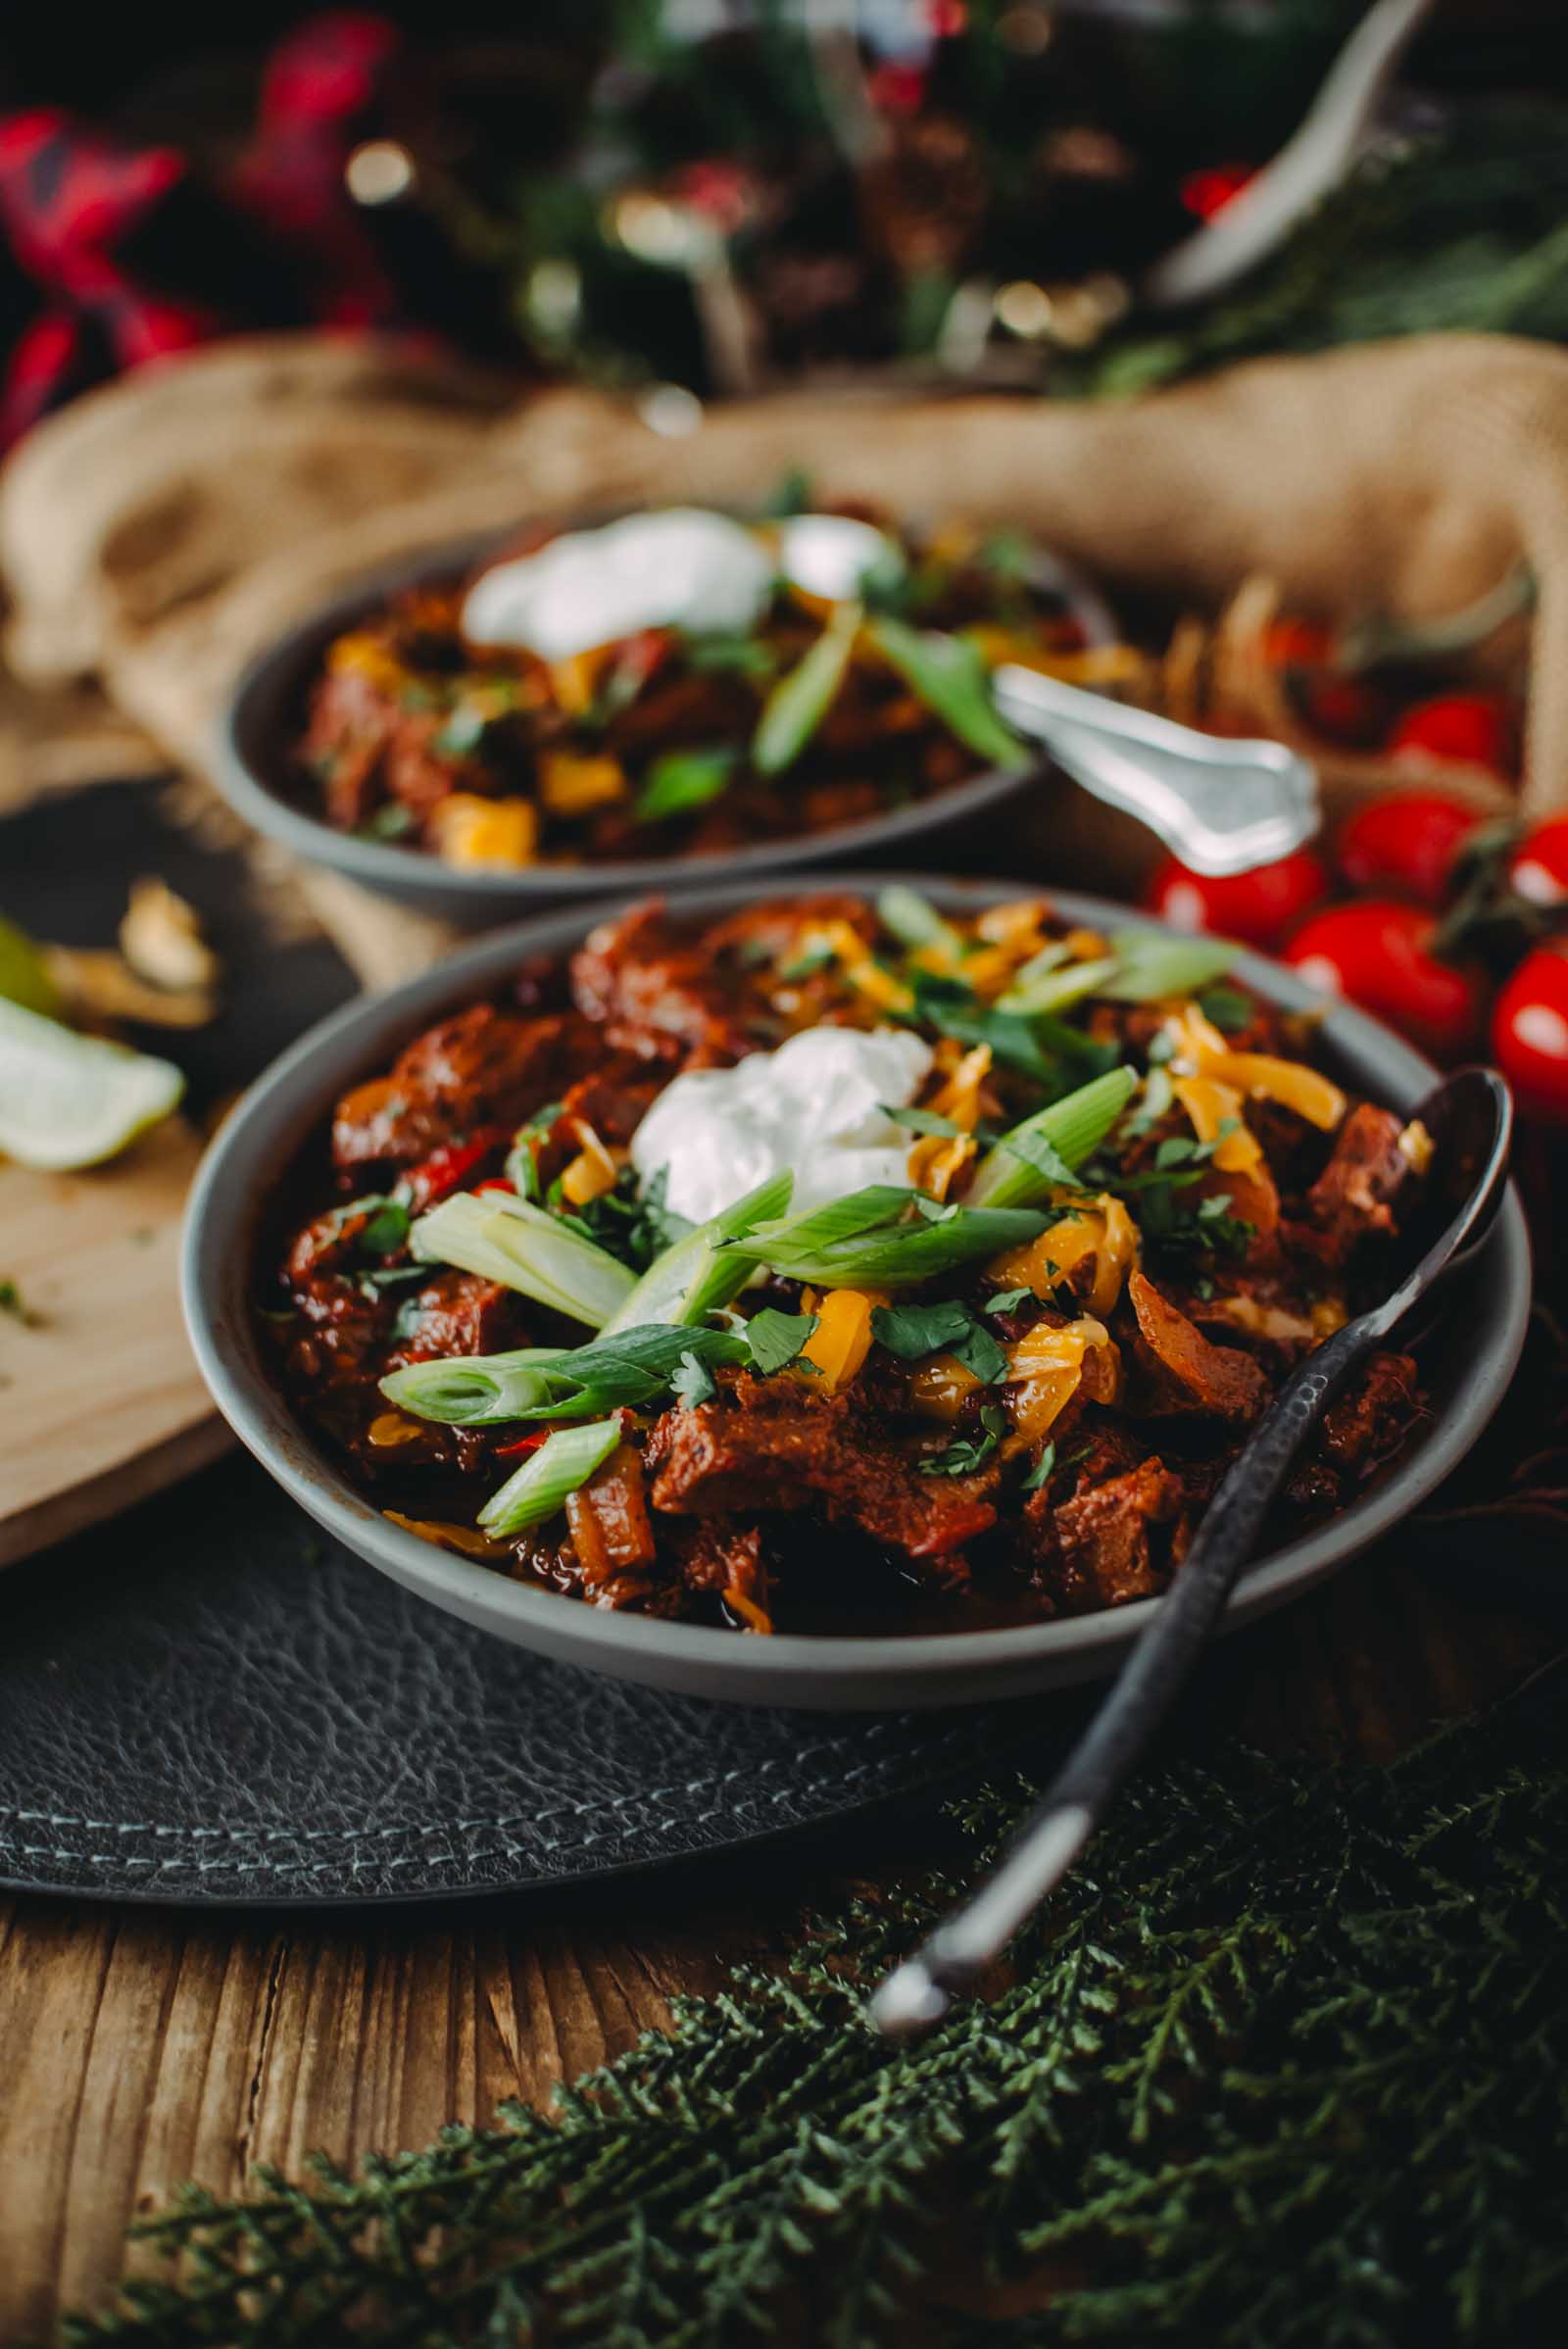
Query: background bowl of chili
[1467, 1367]
[256, 765]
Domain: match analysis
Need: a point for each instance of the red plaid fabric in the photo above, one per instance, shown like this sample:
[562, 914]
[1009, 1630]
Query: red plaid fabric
[134, 258]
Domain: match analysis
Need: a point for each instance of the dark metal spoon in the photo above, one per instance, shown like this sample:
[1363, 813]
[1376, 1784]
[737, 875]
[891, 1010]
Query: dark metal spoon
[1470, 1119]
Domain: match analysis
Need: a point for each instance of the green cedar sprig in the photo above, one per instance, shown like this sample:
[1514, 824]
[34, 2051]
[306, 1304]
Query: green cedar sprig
[1282, 2064]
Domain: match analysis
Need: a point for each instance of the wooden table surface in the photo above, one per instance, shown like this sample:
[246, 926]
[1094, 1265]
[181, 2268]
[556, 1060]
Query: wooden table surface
[140, 2048]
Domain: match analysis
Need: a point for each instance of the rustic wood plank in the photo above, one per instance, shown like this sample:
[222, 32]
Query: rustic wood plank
[140, 2048]
[103, 1401]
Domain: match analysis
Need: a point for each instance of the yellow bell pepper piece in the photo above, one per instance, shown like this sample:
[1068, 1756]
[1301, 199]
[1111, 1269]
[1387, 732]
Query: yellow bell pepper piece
[471, 831]
[571, 783]
[842, 1338]
[591, 1173]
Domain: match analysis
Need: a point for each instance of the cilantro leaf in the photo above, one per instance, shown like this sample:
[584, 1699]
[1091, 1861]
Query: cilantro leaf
[777, 1338]
[965, 1453]
[1007, 1300]
[1041, 1472]
[912, 1332]
[691, 1381]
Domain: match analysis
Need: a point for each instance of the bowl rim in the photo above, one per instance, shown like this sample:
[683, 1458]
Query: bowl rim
[237, 766]
[265, 1129]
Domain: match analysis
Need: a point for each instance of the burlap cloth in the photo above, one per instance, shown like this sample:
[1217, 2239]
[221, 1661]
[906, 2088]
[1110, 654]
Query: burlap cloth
[157, 533]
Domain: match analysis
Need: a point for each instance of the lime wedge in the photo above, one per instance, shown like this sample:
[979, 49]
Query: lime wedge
[72, 1101]
[24, 974]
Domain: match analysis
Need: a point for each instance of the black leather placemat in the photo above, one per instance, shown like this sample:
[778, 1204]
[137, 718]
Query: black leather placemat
[209, 1702]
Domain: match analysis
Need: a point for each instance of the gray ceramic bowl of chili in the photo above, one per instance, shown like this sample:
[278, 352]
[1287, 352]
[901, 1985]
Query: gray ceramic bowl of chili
[1468, 1366]
[254, 763]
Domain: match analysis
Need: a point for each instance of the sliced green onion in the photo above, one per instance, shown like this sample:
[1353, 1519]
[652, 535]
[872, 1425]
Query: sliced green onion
[691, 1280]
[475, 1390]
[636, 1368]
[565, 1459]
[950, 678]
[1154, 966]
[915, 922]
[524, 1247]
[803, 695]
[1054, 990]
[1019, 1171]
[682, 780]
[870, 1248]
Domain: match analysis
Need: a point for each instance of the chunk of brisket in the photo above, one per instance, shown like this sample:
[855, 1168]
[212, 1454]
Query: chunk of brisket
[481, 1067]
[640, 972]
[1106, 1558]
[767, 1444]
[1366, 1421]
[1353, 1195]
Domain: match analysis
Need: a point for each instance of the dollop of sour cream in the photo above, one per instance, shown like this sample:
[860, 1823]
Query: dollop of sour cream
[817, 1105]
[680, 568]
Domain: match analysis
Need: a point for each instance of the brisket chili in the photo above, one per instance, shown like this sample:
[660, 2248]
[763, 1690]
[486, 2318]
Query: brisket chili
[642, 748]
[903, 1493]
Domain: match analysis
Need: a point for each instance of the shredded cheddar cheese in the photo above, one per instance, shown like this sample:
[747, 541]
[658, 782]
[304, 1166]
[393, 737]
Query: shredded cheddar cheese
[940, 1388]
[388, 1429]
[1100, 1228]
[1044, 1370]
[1416, 1146]
[1199, 1050]
[844, 944]
[1210, 1105]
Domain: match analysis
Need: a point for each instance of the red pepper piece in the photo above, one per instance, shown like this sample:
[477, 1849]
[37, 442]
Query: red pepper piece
[447, 1169]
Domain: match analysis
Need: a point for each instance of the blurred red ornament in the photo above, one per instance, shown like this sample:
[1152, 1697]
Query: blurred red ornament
[897, 90]
[1208, 191]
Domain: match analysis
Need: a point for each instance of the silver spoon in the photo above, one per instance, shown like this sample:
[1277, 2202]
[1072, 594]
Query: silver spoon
[1221, 806]
[1470, 1119]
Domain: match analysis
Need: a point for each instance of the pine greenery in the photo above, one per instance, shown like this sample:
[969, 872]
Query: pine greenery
[1287, 2063]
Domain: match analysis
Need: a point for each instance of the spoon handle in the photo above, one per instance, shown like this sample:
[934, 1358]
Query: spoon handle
[1221, 804]
[918, 1993]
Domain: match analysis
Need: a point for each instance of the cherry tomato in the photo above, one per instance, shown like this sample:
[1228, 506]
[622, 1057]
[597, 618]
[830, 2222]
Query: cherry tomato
[1258, 908]
[1379, 953]
[1477, 729]
[1530, 1033]
[1538, 869]
[1405, 841]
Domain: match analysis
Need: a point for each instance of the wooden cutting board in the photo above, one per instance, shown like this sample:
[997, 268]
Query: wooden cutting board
[100, 1400]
